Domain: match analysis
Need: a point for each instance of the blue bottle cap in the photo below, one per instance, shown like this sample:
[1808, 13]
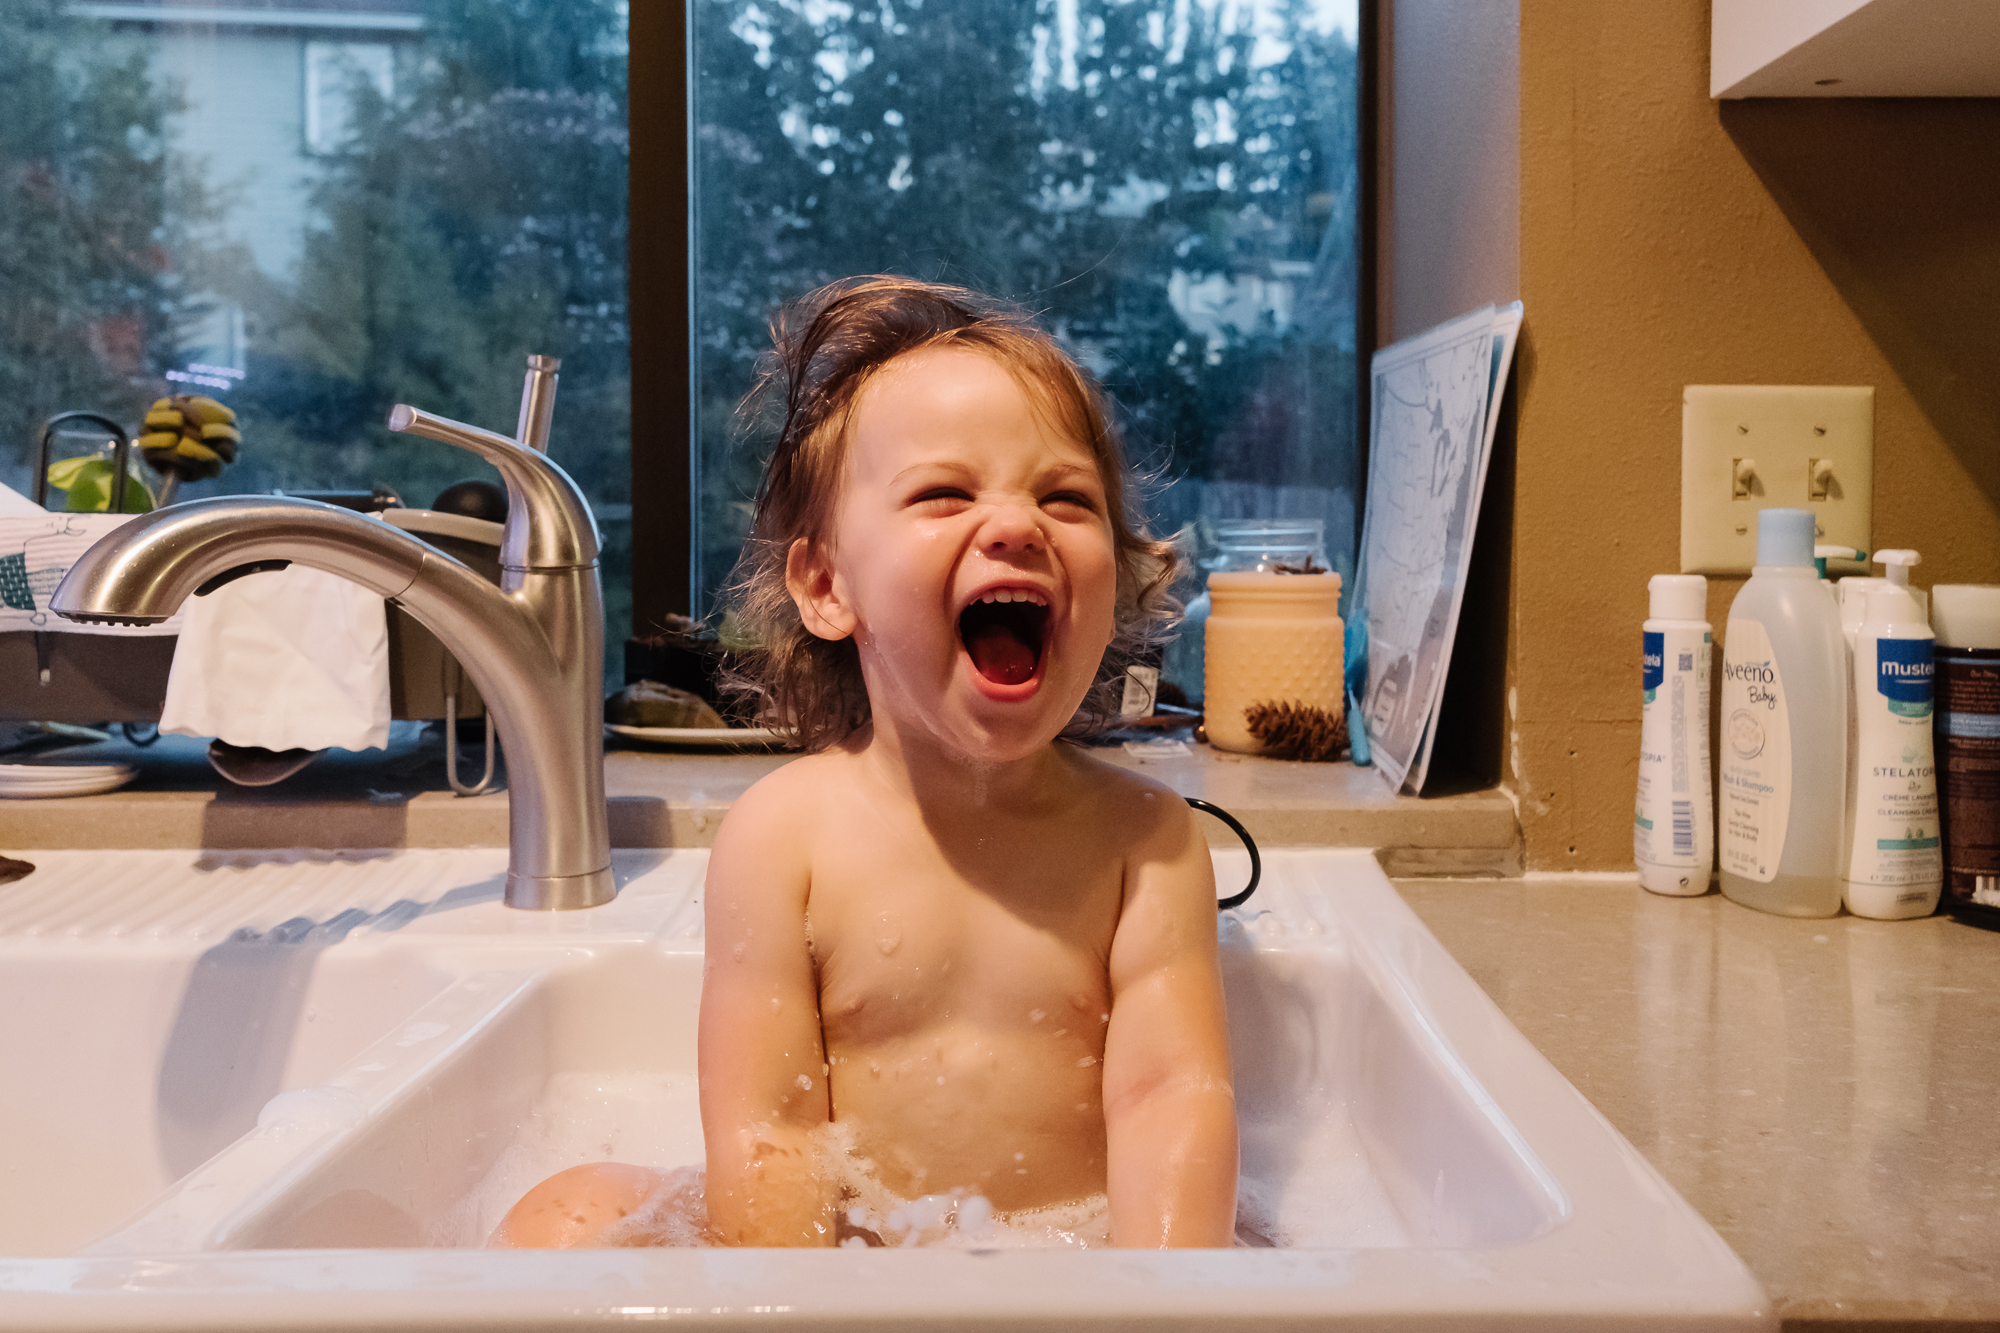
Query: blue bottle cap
[1785, 537]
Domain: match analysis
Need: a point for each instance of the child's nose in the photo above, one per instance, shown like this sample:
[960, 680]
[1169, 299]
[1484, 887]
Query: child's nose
[1012, 528]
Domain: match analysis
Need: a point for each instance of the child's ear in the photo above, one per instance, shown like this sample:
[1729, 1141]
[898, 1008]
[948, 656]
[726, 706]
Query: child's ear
[810, 579]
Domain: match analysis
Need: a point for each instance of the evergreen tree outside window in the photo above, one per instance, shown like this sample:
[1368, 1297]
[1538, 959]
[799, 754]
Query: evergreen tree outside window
[1172, 183]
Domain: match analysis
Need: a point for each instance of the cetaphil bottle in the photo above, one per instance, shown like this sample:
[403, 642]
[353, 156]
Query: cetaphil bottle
[1781, 801]
[1894, 866]
[1673, 823]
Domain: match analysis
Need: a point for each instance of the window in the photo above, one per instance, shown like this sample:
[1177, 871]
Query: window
[312, 211]
[1175, 183]
[315, 210]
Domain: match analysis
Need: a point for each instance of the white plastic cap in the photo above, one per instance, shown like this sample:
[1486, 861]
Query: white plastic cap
[1896, 564]
[1678, 597]
[1966, 615]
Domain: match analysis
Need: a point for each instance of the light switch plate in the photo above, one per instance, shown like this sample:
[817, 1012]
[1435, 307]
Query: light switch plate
[1746, 447]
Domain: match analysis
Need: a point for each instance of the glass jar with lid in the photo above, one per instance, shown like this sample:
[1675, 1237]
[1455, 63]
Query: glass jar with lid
[1242, 545]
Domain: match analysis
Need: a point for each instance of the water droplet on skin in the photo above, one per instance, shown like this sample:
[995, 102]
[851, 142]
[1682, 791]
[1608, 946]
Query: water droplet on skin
[775, 1005]
[1086, 1062]
[1036, 1015]
[1020, 1157]
[940, 1080]
[737, 953]
[805, 1083]
[1104, 1018]
[1060, 1032]
[1083, 1106]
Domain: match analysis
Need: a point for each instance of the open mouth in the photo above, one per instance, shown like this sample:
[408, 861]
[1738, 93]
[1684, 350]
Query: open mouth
[1004, 638]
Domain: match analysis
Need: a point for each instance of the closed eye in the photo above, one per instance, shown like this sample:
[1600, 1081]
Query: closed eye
[941, 496]
[1079, 499]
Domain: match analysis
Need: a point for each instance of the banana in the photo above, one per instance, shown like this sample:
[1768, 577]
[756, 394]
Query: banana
[205, 411]
[191, 436]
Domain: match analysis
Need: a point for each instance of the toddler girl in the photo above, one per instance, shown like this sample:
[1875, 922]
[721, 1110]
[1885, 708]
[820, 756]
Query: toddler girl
[981, 956]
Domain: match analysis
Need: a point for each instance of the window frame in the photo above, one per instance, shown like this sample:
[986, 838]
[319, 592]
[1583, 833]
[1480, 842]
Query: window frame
[660, 292]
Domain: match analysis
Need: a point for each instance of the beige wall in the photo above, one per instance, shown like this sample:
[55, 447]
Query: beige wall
[1666, 239]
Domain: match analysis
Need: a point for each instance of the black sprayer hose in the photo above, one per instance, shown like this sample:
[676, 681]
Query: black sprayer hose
[1256, 863]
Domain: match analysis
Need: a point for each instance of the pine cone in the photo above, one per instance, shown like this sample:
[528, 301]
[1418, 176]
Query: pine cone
[1296, 730]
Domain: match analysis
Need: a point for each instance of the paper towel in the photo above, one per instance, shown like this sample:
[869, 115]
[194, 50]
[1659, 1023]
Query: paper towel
[292, 659]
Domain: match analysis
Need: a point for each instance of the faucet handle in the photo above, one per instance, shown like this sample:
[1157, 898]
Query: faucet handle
[549, 523]
[538, 403]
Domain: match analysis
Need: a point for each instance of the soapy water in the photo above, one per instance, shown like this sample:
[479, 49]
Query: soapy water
[1306, 1182]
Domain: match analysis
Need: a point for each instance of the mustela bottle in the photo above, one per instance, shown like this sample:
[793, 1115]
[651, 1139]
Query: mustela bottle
[1894, 866]
[1782, 798]
[1673, 825]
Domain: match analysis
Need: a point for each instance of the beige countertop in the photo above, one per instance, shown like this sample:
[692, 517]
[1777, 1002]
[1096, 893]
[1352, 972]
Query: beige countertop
[1825, 1092]
[676, 798]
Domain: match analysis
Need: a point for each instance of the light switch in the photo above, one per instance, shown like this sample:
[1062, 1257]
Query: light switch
[1746, 447]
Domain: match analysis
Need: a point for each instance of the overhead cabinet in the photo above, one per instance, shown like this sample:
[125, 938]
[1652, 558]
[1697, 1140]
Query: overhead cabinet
[1855, 48]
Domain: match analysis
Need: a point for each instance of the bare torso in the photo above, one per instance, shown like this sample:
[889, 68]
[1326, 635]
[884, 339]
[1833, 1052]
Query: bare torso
[964, 989]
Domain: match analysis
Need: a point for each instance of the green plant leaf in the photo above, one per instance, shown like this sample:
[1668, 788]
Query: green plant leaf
[87, 481]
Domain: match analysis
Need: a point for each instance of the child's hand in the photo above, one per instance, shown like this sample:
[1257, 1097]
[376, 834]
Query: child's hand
[1169, 1104]
[763, 1073]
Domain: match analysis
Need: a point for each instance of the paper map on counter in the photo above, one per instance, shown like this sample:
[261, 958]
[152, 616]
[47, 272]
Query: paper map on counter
[1434, 404]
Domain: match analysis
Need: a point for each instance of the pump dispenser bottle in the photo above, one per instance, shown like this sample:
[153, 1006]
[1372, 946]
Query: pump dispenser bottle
[1779, 824]
[1853, 591]
[1894, 866]
[1673, 824]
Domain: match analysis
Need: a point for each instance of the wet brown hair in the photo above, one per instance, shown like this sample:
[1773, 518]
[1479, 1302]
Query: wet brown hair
[827, 346]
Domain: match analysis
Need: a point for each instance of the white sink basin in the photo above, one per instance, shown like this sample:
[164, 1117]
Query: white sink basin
[438, 1054]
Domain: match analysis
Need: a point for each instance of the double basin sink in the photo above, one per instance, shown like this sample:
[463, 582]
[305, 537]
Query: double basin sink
[292, 1088]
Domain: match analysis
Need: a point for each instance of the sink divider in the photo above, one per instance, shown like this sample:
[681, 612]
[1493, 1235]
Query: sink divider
[257, 1193]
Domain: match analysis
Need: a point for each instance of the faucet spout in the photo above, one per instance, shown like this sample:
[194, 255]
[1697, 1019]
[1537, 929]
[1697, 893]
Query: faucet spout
[534, 645]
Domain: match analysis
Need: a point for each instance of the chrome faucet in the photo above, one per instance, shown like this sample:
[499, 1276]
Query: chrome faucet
[534, 645]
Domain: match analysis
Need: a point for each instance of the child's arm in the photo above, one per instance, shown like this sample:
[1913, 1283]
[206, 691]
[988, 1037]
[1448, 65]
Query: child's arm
[1169, 1105]
[763, 1073]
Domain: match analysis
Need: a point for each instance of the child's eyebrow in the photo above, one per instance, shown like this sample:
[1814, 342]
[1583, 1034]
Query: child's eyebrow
[1061, 472]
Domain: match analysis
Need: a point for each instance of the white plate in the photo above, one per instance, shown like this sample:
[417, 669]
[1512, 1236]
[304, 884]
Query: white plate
[714, 738]
[29, 781]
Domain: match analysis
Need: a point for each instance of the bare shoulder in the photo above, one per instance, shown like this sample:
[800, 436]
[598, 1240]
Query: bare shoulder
[791, 797]
[1153, 820]
[770, 828]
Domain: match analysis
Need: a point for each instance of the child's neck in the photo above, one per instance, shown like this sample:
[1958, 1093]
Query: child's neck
[939, 777]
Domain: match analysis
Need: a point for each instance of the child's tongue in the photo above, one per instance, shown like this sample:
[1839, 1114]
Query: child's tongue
[1000, 655]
